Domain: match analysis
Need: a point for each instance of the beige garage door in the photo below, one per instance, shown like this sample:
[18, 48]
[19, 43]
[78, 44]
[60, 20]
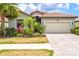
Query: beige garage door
[58, 27]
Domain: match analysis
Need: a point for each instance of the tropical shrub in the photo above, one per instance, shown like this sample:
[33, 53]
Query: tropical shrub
[10, 32]
[28, 31]
[39, 28]
[32, 27]
[75, 30]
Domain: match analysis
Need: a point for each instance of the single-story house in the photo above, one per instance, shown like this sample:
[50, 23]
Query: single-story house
[55, 22]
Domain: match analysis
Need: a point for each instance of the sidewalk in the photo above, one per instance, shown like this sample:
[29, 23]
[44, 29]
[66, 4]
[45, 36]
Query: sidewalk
[26, 46]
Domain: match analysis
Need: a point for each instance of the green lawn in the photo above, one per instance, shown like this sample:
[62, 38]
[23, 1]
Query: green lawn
[23, 40]
[26, 52]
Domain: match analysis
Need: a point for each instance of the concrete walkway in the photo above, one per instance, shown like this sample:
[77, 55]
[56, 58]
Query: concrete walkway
[26, 46]
[64, 44]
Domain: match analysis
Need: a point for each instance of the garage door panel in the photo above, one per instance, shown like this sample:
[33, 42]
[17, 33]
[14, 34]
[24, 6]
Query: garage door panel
[58, 27]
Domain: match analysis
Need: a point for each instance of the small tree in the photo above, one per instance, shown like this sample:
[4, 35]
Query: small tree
[7, 10]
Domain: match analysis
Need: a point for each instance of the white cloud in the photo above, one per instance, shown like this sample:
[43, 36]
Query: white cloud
[22, 6]
[32, 6]
[59, 5]
[46, 6]
[63, 5]
[39, 7]
[51, 4]
[67, 5]
[77, 7]
[29, 7]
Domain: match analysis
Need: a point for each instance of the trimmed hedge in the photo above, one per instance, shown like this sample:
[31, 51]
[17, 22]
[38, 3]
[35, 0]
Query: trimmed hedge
[75, 30]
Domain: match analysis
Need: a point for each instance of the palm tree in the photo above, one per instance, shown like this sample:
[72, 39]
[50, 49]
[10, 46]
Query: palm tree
[8, 10]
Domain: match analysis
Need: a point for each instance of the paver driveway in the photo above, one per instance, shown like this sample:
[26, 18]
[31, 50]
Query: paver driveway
[64, 44]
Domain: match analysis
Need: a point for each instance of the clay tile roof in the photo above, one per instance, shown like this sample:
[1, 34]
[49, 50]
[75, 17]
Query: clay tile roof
[54, 14]
[57, 14]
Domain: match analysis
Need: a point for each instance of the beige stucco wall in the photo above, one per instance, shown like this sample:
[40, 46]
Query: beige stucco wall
[12, 23]
[77, 24]
[57, 20]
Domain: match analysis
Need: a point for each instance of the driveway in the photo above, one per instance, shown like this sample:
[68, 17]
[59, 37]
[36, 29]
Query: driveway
[64, 44]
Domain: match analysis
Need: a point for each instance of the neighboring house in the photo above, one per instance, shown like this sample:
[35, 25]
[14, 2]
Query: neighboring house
[6, 22]
[55, 22]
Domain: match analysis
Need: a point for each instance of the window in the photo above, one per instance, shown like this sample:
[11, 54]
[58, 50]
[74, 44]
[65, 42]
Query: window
[19, 22]
[38, 19]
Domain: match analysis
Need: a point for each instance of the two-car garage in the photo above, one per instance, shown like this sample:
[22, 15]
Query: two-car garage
[58, 27]
[58, 22]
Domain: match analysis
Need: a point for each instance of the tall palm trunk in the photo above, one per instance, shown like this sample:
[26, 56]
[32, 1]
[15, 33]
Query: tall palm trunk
[3, 24]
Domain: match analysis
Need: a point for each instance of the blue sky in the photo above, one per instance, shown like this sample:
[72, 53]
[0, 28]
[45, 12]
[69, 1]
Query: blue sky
[70, 8]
